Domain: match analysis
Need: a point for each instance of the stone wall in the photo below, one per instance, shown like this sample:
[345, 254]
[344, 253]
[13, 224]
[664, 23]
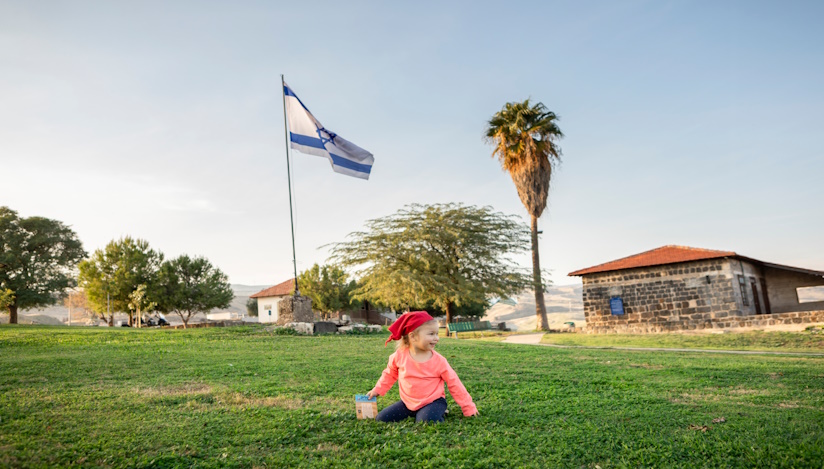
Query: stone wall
[777, 321]
[660, 298]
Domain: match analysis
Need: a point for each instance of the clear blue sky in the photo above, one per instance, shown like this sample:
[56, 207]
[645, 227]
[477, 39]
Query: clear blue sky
[695, 123]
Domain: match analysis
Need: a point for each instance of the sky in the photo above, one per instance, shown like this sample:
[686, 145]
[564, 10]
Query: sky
[693, 123]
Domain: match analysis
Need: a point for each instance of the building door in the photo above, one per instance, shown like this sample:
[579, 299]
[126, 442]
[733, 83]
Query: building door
[755, 300]
[767, 308]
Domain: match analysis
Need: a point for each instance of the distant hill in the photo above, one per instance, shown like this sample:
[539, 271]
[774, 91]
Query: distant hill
[248, 290]
[563, 304]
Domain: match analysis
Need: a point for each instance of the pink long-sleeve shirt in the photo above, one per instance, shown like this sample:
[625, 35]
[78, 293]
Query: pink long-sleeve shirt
[421, 383]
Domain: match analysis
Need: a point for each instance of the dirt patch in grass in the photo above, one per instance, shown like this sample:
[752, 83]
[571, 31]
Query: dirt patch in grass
[694, 398]
[749, 392]
[201, 395]
[282, 402]
[186, 389]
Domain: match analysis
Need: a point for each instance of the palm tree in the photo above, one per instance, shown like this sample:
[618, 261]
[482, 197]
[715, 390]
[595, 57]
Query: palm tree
[525, 139]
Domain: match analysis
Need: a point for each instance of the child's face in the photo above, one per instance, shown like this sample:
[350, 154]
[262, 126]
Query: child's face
[425, 338]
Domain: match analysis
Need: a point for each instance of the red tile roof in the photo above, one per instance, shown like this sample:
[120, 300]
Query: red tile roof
[659, 256]
[281, 289]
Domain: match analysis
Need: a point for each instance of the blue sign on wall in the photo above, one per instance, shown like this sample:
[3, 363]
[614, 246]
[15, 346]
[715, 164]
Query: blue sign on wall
[616, 305]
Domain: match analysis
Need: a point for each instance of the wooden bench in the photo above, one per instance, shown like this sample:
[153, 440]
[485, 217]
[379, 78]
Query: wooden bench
[455, 327]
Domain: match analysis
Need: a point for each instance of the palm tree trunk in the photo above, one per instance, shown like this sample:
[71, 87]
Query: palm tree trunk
[540, 307]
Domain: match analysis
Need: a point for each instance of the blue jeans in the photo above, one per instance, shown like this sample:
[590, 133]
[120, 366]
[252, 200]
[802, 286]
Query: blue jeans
[432, 412]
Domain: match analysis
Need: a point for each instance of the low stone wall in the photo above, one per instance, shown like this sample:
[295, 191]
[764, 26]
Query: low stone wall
[779, 321]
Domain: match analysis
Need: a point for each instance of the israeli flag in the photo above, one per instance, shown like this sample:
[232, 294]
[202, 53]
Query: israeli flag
[307, 135]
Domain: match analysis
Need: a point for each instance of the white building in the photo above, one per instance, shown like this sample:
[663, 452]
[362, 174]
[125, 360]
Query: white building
[269, 298]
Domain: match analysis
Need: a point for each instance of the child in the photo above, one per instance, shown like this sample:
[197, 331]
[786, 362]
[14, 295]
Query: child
[420, 372]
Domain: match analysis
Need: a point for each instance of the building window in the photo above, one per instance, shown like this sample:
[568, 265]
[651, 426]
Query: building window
[810, 294]
[743, 286]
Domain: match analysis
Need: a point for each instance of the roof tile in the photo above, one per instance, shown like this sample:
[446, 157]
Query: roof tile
[659, 256]
[281, 289]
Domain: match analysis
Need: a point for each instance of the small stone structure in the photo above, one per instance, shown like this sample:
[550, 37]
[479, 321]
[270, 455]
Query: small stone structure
[305, 328]
[361, 328]
[676, 288]
[295, 309]
[322, 327]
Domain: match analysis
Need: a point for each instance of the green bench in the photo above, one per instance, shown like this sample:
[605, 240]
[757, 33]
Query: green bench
[455, 327]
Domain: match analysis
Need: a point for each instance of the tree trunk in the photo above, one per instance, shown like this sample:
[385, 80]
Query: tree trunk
[111, 320]
[12, 314]
[449, 308]
[540, 307]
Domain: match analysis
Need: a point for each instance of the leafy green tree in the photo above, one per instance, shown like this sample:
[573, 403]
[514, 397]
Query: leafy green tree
[328, 287]
[448, 255]
[112, 274]
[525, 139]
[252, 307]
[187, 286]
[38, 257]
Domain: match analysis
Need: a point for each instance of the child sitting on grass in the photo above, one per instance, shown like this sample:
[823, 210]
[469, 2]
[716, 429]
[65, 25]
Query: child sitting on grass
[420, 372]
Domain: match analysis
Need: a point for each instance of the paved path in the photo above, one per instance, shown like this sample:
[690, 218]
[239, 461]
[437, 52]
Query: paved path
[535, 339]
[530, 339]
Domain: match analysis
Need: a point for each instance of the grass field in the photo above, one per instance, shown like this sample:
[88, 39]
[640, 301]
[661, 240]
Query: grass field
[242, 397]
[811, 341]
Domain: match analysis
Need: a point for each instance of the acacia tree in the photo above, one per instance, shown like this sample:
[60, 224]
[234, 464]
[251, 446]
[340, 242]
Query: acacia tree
[112, 274]
[328, 287]
[187, 286]
[525, 139]
[37, 261]
[446, 255]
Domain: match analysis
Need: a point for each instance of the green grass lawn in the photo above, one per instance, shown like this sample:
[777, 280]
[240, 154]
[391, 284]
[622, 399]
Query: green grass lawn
[242, 397]
[811, 340]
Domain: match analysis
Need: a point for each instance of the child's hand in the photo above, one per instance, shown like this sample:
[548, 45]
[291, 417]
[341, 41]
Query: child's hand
[371, 394]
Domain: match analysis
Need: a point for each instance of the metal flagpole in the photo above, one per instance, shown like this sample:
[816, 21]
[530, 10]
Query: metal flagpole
[289, 179]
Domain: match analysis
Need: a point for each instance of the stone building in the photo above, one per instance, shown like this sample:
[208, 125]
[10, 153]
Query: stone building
[676, 288]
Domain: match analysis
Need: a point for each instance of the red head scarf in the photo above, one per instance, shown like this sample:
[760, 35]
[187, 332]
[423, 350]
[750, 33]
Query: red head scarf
[407, 323]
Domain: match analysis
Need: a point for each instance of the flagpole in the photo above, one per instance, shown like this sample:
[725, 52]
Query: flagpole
[289, 179]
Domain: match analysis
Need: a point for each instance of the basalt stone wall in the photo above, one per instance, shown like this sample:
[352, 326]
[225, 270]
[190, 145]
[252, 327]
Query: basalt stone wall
[686, 296]
[776, 321]
[295, 309]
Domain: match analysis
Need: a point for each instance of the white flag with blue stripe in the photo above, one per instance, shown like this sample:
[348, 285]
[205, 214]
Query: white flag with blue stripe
[307, 135]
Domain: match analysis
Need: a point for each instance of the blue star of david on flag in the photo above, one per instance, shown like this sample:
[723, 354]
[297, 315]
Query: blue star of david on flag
[309, 136]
